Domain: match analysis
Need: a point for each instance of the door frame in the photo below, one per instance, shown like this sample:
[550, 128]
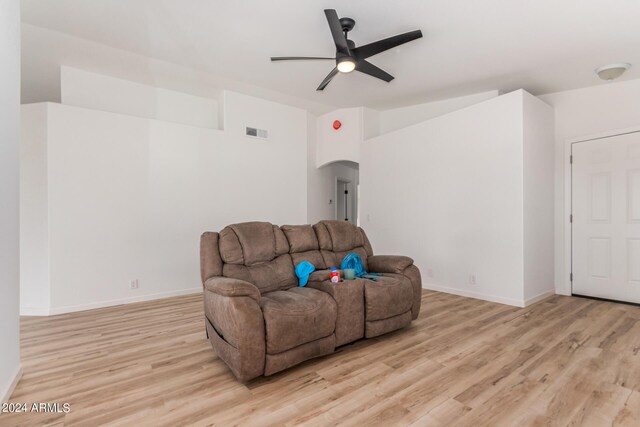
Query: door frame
[566, 286]
[338, 179]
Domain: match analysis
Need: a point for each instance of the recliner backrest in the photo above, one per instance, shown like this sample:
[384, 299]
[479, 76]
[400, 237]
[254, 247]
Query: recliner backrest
[303, 245]
[210, 261]
[337, 239]
[257, 252]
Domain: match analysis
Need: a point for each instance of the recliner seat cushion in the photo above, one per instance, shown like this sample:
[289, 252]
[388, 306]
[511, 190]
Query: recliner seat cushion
[297, 316]
[387, 297]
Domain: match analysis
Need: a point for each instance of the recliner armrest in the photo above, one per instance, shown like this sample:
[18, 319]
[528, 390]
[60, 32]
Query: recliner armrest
[389, 263]
[229, 287]
[235, 325]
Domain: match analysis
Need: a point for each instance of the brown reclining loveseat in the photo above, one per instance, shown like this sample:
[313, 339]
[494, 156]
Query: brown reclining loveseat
[258, 319]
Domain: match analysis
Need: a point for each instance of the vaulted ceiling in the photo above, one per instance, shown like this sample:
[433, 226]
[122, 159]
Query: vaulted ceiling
[468, 46]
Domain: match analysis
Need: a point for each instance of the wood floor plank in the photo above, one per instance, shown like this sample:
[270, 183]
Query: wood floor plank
[465, 362]
[629, 415]
[603, 405]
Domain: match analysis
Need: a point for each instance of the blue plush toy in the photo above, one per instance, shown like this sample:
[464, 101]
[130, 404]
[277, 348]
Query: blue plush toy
[354, 262]
[303, 270]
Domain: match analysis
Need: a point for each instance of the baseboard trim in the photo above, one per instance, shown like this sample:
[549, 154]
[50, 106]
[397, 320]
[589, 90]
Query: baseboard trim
[34, 311]
[562, 291]
[539, 298]
[122, 301]
[12, 386]
[476, 295]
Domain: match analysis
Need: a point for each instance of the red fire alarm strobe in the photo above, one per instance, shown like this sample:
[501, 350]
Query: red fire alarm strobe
[337, 124]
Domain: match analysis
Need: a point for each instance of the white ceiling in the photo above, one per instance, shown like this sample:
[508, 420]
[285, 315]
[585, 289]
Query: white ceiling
[468, 46]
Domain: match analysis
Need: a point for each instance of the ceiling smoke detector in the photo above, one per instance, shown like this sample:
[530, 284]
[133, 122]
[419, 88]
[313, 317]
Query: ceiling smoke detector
[612, 71]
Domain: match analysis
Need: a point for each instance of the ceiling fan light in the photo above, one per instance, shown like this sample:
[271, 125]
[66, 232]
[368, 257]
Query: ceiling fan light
[346, 65]
[612, 71]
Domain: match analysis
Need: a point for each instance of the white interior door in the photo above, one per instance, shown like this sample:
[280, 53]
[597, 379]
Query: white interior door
[606, 218]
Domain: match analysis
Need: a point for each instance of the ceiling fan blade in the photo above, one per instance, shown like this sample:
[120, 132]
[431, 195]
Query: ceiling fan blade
[368, 68]
[327, 79]
[375, 48]
[339, 38]
[298, 58]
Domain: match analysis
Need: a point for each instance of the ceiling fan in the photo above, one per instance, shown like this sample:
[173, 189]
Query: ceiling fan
[348, 56]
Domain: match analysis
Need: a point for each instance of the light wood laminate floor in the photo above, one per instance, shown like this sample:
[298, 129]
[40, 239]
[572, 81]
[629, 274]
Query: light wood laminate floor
[563, 361]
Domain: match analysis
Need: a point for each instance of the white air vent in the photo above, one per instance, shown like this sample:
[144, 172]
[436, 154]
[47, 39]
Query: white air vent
[256, 133]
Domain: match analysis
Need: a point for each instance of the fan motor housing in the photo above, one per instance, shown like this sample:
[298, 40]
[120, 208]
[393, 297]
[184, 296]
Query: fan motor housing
[347, 24]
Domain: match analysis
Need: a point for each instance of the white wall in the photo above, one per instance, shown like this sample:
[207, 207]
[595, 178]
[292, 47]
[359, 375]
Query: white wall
[9, 188]
[44, 50]
[583, 112]
[538, 184]
[331, 151]
[398, 118]
[319, 180]
[34, 197]
[334, 154]
[128, 197]
[281, 121]
[370, 123]
[342, 144]
[321, 191]
[91, 90]
[359, 124]
[449, 192]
